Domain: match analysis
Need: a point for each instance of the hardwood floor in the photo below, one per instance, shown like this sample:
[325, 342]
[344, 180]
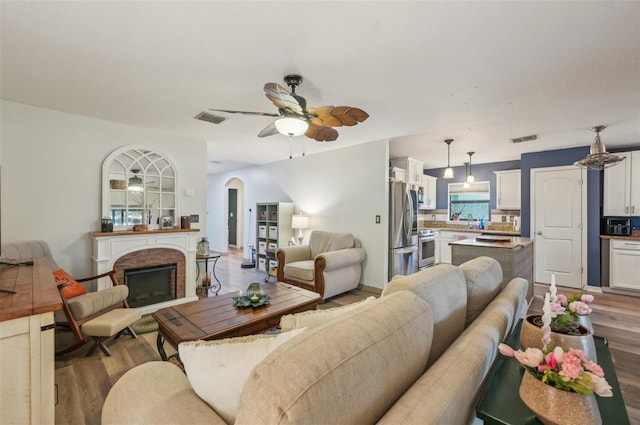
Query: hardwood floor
[84, 382]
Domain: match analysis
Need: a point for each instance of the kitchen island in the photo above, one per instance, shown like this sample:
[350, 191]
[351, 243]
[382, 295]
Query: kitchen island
[515, 255]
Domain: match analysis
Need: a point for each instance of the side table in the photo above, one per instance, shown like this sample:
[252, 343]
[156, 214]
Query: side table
[500, 404]
[205, 276]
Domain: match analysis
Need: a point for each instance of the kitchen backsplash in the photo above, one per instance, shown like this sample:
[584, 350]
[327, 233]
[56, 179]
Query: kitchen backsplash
[501, 220]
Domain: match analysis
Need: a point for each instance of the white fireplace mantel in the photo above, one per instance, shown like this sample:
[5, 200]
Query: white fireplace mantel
[109, 247]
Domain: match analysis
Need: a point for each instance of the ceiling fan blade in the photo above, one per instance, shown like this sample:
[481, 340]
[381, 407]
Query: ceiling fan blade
[265, 114]
[269, 130]
[321, 133]
[282, 98]
[338, 116]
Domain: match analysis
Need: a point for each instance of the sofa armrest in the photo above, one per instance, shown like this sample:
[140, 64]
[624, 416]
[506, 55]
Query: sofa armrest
[156, 393]
[342, 258]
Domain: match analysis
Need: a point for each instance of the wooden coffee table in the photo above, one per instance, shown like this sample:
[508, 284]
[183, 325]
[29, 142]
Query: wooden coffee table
[217, 317]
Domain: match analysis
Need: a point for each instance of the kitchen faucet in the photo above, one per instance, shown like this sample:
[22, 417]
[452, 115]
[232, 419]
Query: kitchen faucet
[469, 218]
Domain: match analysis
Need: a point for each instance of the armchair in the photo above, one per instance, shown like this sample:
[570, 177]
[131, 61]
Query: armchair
[330, 264]
[80, 309]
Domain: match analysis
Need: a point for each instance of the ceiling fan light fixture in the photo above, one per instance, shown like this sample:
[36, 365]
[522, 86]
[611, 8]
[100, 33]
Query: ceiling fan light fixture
[598, 158]
[291, 126]
[448, 172]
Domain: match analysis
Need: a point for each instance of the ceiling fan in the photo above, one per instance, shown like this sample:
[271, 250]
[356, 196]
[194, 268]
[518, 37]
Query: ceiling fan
[294, 118]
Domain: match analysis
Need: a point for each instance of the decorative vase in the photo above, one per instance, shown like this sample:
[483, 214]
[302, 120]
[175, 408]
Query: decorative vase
[553, 406]
[586, 322]
[531, 336]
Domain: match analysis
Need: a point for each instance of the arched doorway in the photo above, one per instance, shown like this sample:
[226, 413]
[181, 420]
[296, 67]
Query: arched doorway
[235, 217]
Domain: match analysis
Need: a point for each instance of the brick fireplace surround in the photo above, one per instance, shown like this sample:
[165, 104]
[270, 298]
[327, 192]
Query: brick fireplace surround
[140, 249]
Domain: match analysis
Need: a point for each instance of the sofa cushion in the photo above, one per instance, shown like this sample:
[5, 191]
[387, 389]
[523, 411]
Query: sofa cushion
[300, 270]
[352, 369]
[460, 373]
[320, 242]
[484, 277]
[156, 393]
[217, 370]
[443, 287]
[311, 318]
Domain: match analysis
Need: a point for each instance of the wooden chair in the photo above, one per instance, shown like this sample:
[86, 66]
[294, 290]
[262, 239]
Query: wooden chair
[82, 315]
[77, 310]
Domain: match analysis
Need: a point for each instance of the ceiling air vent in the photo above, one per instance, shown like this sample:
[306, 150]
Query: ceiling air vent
[524, 139]
[214, 119]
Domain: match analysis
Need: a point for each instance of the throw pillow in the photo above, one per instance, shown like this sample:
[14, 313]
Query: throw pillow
[73, 288]
[217, 370]
[311, 318]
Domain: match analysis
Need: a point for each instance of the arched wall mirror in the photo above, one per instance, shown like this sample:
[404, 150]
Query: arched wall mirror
[139, 187]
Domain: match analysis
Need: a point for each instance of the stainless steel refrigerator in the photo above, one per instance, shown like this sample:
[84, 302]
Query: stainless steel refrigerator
[403, 230]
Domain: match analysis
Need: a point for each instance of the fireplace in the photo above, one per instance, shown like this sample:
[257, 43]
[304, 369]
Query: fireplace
[151, 285]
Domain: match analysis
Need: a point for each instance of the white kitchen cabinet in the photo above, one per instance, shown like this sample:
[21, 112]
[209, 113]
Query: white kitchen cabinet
[429, 188]
[447, 236]
[624, 264]
[508, 189]
[414, 169]
[622, 186]
[27, 370]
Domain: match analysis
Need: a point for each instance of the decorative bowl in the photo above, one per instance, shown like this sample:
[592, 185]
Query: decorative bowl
[246, 301]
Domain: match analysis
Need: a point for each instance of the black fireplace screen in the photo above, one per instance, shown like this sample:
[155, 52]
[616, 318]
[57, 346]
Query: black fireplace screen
[151, 285]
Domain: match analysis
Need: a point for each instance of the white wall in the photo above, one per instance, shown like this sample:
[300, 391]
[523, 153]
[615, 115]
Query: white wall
[51, 177]
[341, 190]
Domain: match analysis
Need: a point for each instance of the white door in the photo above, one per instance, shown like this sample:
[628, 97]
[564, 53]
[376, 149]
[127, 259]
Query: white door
[558, 211]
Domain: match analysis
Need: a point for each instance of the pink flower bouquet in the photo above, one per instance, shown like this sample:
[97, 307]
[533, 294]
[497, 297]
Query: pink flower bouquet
[567, 370]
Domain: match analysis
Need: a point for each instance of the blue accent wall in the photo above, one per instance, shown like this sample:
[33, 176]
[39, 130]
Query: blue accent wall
[594, 212]
[481, 172]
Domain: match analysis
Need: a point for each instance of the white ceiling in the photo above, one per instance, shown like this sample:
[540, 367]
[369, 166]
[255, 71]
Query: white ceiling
[477, 72]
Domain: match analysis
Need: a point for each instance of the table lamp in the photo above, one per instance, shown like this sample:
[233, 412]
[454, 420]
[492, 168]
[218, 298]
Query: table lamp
[300, 222]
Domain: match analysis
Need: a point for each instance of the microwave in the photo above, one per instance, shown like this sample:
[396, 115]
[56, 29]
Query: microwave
[617, 226]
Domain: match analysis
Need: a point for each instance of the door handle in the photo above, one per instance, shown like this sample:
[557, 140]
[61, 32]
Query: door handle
[539, 233]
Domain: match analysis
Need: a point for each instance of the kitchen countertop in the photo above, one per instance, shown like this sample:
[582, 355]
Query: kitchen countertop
[635, 235]
[474, 230]
[510, 243]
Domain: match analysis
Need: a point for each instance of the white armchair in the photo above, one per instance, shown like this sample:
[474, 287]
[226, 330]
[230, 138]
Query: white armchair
[330, 264]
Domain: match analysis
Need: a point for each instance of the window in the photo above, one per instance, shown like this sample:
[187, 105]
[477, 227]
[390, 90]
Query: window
[469, 202]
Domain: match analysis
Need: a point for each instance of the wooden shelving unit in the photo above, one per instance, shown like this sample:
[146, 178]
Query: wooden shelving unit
[273, 229]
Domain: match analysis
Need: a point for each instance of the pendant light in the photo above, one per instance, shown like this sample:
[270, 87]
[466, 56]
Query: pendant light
[448, 172]
[470, 178]
[466, 184]
[598, 158]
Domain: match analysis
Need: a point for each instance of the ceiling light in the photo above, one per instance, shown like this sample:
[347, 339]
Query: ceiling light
[448, 172]
[291, 126]
[466, 184]
[598, 158]
[470, 178]
[135, 182]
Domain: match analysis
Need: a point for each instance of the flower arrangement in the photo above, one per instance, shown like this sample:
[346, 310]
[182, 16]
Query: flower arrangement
[566, 370]
[565, 310]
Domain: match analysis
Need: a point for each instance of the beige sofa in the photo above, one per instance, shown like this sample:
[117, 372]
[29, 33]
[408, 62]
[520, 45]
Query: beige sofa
[330, 264]
[417, 355]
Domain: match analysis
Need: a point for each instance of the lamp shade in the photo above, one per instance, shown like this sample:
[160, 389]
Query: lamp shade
[291, 126]
[300, 222]
[448, 173]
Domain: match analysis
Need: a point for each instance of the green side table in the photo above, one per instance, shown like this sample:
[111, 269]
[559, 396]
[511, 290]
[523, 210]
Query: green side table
[500, 403]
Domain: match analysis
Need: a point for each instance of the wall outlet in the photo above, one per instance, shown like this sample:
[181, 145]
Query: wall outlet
[195, 218]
